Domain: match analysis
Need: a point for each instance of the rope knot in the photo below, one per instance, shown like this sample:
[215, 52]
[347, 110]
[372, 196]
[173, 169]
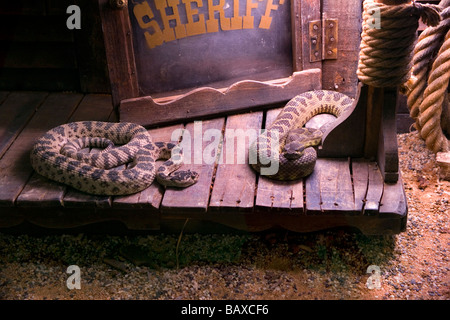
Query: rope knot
[429, 13]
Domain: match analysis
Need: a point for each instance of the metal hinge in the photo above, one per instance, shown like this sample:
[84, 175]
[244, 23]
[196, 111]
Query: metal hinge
[323, 38]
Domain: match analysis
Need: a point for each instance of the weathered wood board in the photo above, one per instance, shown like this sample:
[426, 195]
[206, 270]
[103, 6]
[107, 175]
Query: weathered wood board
[119, 52]
[329, 187]
[235, 182]
[368, 186]
[176, 62]
[200, 143]
[285, 196]
[16, 162]
[207, 102]
[340, 74]
[40, 190]
[340, 192]
[16, 111]
[340, 139]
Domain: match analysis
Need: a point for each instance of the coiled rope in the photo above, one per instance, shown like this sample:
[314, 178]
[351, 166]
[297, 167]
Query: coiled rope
[388, 53]
[428, 85]
[388, 37]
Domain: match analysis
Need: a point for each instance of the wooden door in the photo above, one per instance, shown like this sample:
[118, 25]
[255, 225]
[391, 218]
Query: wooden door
[177, 60]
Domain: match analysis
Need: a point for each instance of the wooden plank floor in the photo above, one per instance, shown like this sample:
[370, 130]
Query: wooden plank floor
[340, 192]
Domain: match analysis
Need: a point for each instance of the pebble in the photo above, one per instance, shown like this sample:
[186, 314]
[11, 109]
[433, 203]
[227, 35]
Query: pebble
[272, 265]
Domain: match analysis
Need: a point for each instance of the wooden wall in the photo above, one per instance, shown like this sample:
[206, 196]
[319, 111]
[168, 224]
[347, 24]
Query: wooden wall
[38, 51]
[340, 74]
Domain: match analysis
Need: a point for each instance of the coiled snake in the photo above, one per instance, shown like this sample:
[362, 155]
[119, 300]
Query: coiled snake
[56, 156]
[287, 143]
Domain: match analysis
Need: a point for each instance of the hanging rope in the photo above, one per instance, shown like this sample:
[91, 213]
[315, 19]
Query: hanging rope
[428, 85]
[387, 41]
[429, 42]
[433, 98]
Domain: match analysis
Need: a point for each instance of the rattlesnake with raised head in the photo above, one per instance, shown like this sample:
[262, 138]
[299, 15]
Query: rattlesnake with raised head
[293, 151]
[57, 156]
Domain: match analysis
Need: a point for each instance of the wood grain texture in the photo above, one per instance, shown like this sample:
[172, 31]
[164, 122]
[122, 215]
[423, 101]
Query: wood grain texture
[15, 164]
[310, 10]
[296, 22]
[243, 95]
[40, 191]
[303, 12]
[393, 202]
[368, 186]
[336, 186]
[374, 191]
[387, 156]
[278, 196]
[373, 99]
[340, 74]
[202, 159]
[235, 182]
[345, 137]
[16, 110]
[360, 172]
[117, 35]
[310, 223]
[329, 188]
[238, 198]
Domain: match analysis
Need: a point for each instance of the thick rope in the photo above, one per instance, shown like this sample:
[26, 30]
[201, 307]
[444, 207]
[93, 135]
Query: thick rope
[427, 88]
[426, 49]
[387, 41]
[433, 99]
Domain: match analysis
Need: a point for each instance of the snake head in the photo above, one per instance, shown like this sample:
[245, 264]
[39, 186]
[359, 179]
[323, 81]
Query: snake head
[193, 176]
[182, 179]
[293, 150]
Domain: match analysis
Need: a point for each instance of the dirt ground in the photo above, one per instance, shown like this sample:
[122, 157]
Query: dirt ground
[329, 264]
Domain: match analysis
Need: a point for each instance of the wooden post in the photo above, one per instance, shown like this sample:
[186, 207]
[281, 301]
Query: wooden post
[120, 58]
[381, 130]
[374, 99]
[345, 136]
[387, 155]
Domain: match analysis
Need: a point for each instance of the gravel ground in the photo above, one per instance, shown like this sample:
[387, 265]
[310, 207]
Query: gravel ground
[271, 265]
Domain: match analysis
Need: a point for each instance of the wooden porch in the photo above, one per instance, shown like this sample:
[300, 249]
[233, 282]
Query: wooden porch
[341, 192]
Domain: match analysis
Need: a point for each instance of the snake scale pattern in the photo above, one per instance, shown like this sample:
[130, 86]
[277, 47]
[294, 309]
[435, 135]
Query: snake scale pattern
[294, 151]
[57, 155]
[127, 163]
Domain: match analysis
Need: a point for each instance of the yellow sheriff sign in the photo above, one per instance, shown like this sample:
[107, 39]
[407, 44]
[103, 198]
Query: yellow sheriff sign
[168, 20]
